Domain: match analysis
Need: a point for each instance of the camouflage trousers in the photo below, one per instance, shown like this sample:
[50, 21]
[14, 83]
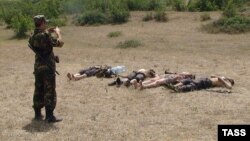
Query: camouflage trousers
[45, 93]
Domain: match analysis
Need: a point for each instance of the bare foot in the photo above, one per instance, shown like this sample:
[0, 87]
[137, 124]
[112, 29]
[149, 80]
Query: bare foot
[135, 85]
[73, 77]
[140, 85]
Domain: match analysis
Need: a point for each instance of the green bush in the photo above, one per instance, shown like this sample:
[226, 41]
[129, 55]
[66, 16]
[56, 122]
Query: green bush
[138, 4]
[129, 44]
[230, 10]
[92, 17]
[193, 7]
[18, 14]
[210, 5]
[115, 34]
[206, 5]
[50, 8]
[144, 5]
[205, 17]
[237, 24]
[118, 11]
[9, 10]
[148, 17]
[58, 22]
[179, 5]
[240, 2]
[21, 25]
[161, 16]
[156, 4]
[103, 12]
[220, 4]
[77, 6]
[119, 15]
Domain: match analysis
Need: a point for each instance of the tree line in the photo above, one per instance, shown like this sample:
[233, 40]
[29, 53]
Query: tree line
[17, 14]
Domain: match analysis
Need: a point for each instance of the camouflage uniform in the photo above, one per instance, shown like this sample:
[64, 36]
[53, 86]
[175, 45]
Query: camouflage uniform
[45, 80]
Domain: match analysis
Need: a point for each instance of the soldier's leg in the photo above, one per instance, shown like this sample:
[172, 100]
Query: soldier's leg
[50, 97]
[38, 98]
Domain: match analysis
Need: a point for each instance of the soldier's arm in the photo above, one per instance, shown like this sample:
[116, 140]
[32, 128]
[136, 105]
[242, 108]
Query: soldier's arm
[57, 42]
[39, 42]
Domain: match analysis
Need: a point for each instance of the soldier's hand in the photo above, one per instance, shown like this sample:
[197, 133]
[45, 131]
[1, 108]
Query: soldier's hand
[57, 30]
[56, 59]
[51, 30]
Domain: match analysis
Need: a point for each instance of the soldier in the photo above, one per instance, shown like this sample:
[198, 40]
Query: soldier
[44, 69]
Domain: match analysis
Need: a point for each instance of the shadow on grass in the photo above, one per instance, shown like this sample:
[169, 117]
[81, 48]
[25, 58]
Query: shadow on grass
[39, 126]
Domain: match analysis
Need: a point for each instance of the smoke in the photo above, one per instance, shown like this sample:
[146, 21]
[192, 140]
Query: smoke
[74, 6]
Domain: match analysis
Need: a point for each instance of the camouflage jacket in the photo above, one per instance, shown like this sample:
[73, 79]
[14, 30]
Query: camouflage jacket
[43, 43]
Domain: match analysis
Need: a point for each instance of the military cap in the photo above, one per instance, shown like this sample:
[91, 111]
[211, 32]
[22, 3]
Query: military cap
[40, 18]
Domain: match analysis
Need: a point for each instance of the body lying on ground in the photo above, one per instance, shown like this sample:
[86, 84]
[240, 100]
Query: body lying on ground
[133, 78]
[188, 85]
[98, 71]
[165, 80]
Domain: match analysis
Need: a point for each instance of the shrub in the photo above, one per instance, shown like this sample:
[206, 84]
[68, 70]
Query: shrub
[156, 4]
[148, 17]
[129, 44]
[192, 7]
[210, 5]
[161, 16]
[9, 10]
[92, 17]
[179, 5]
[205, 5]
[103, 12]
[58, 22]
[21, 25]
[50, 8]
[220, 4]
[138, 4]
[144, 5]
[237, 24]
[230, 10]
[114, 34]
[240, 2]
[18, 14]
[119, 15]
[205, 17]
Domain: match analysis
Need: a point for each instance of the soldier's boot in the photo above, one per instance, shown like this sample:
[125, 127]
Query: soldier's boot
[38, 114]
[50, 116]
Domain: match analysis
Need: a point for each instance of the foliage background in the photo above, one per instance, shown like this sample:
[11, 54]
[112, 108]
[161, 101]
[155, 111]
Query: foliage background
[17, 14]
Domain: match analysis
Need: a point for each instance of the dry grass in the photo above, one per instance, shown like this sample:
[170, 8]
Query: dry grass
[93, 111]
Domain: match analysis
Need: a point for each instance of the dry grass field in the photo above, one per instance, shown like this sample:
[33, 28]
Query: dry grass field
[93, 111]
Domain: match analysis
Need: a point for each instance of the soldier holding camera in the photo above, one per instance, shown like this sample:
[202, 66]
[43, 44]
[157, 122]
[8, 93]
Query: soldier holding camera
[42, 44]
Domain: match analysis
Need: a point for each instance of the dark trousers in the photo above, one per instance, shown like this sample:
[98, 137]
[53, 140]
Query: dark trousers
[191, 85]
[45, 93]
